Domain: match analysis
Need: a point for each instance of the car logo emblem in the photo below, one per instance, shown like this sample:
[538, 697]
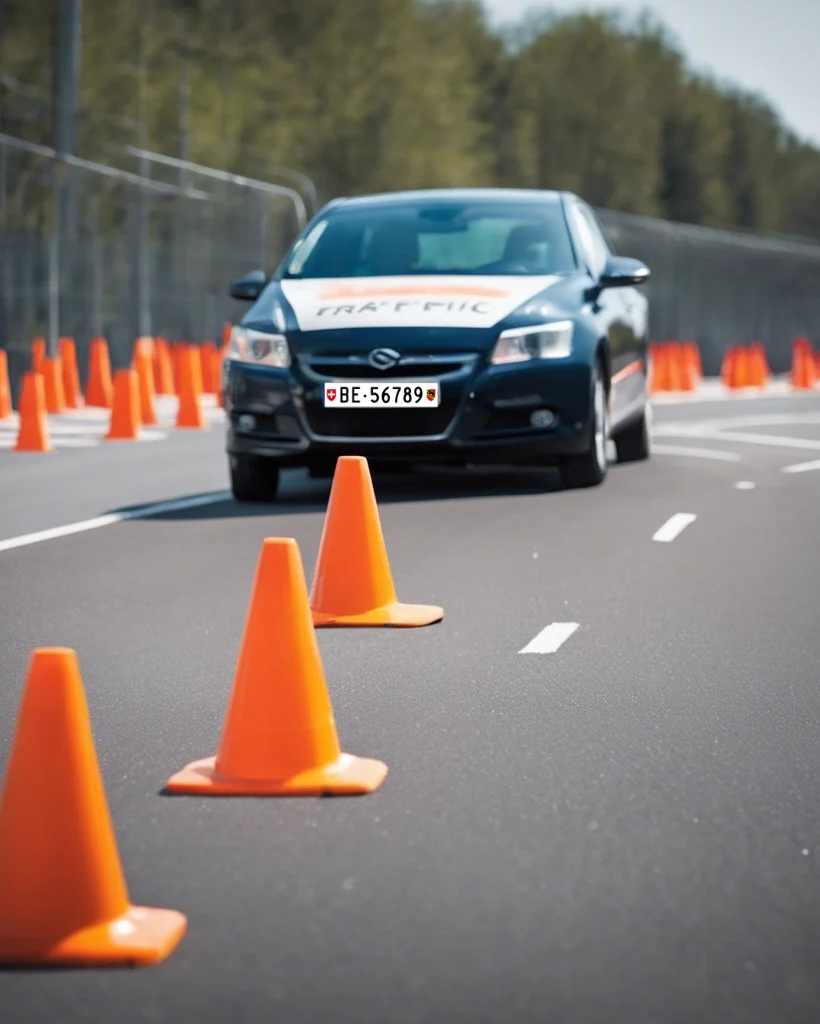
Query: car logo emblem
[384, 358]
[431, 394]
[331, 394]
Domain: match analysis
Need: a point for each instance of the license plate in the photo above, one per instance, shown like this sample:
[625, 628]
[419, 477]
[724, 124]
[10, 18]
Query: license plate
[367, 395]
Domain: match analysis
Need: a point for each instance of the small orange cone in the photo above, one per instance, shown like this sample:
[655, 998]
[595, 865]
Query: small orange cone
[99, 391]
[279, 737]
[739, 377]
[189, 414]
[125, 410]
[144, 368]
[163, 370]
[63, 895]
[693, 355]
[5, 387]
[53, 378]
[758, 366]
[353, 585]
[196, 369]
[38, 354]
[210, 375]
[726, 366]
[675, 370]
[71, 375]
[802, 374]
[32, 435]
[177, 350]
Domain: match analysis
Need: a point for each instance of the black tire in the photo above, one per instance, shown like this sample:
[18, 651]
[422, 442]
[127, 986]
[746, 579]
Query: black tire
[590, 468]
[253, 479]
[634, 443]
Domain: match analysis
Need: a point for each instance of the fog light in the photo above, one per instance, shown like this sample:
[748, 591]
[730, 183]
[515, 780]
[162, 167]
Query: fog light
[247, 422]
[542, 418]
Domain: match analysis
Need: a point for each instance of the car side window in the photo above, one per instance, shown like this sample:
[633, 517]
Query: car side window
[592, 239]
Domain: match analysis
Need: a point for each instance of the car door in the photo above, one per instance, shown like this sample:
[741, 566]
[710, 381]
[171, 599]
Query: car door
[618, 320]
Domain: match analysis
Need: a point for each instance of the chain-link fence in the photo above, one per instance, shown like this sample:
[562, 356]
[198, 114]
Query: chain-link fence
[723, 287]
[90, 250]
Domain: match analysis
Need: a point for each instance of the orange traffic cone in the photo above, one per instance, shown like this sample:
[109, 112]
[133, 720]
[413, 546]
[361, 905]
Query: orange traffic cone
[279, 737]
[189, 414]
[739, 377]
[196, 369]
[38, 354]
[125, 410]
[802, 374]
[653, 359]
[685, 368]
[53, 379]
[32, 435]
[353, 585]
[210, 377]
[144, 368]
[177, 358]
[758, 366]
[71, 375]
[63, 895]
[726, 366]
[674, 368]
[693, 357]
[5, 387]
[163, 370]
[99, 389]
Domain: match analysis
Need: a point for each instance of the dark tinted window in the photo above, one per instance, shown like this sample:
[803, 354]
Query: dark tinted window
[457, 238]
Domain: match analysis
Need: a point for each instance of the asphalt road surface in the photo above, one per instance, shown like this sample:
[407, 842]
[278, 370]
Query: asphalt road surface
[620, 825]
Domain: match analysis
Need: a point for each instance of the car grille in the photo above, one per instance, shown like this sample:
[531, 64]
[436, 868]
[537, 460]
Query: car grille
[410, 368]
[381, 423]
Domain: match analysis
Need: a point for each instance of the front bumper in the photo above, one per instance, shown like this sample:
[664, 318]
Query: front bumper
[484, 416]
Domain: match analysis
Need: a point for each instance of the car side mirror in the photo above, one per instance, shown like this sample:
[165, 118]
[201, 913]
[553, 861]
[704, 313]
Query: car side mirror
[624, 272]
[249, 287]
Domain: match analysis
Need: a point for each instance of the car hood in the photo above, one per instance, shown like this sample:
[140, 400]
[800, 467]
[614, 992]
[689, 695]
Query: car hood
[433, 301]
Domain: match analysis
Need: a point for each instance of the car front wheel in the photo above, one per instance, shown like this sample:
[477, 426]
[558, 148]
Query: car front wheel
[634, 443]
[590, 468]
[253, 479]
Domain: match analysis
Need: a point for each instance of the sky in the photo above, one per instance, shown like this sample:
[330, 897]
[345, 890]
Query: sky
[765, 46]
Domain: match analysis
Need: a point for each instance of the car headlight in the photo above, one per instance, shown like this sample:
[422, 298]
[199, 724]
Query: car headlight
[259, 348]
[547, 341]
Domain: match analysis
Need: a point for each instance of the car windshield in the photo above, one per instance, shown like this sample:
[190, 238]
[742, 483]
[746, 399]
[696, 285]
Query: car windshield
[435, 238]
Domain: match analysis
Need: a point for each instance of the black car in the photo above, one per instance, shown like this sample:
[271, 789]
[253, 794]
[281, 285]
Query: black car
[456, 326]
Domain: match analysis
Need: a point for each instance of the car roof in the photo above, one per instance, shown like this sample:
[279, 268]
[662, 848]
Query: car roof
[499, 195]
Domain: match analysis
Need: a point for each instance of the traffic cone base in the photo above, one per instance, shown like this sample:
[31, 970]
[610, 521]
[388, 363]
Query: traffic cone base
[395, 614]
[143, 935]
[32, 434]
[349, 776]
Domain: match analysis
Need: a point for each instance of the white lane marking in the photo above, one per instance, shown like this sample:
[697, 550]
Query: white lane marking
[674, 526]
[744, 485]
[768, 439]
[802, 467]
[697, 453]
[113, 517]
[550, 639]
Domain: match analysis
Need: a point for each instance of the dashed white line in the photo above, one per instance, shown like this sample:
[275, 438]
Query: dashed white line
[113, 517]
[744, 485]
[696, 453]
[673, 527]
[550, 639]
[802, 467]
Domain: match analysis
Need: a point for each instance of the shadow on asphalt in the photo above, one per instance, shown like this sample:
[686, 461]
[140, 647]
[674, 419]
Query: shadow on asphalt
[300, 494]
